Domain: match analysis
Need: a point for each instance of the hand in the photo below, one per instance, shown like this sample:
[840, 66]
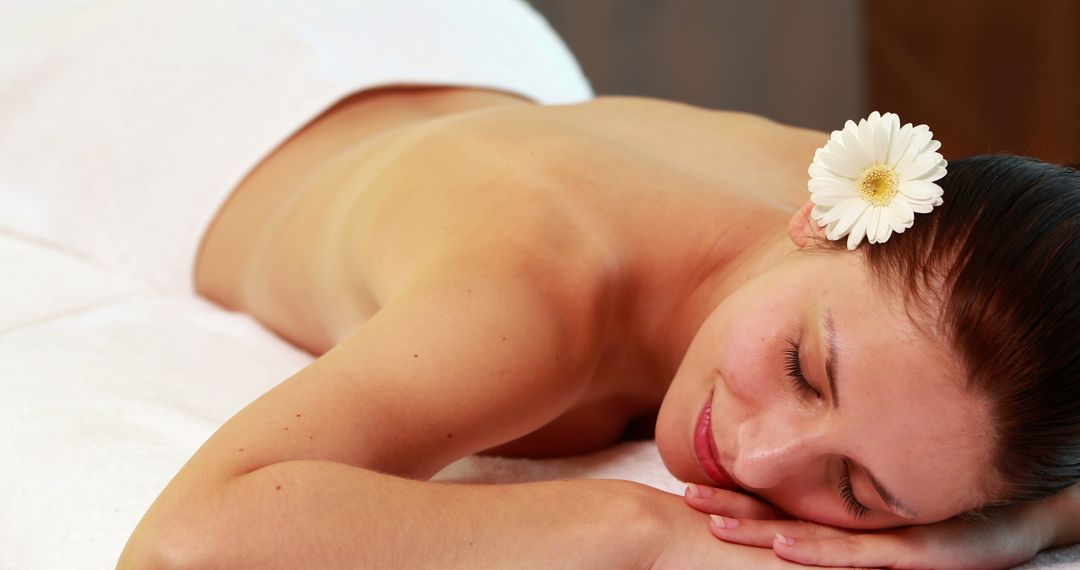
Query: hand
[685, 542]
[1007, 538]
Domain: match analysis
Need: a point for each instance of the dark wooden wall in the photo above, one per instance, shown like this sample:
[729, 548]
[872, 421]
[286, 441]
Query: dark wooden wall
[796, 61]
[986, 75]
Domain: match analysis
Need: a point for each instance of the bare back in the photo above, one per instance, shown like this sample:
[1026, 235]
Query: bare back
[349, 213]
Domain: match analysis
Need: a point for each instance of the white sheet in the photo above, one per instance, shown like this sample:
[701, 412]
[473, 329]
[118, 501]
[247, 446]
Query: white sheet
[109, 387]
[113, 109]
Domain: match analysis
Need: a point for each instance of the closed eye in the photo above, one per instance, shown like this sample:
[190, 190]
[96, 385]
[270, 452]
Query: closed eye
[847, 494]
[794, 371]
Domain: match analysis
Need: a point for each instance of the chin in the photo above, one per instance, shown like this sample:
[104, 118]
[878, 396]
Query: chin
[674, 439]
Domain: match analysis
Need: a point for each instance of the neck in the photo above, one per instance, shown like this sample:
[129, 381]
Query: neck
[681, 297]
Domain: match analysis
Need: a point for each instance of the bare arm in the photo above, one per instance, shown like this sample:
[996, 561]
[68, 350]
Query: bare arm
[322, 514]
[327, 469]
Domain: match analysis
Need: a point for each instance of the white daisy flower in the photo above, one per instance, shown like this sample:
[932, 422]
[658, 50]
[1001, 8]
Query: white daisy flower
[870, 179]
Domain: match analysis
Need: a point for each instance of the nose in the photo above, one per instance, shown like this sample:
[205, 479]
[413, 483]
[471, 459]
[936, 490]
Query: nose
[774, 446]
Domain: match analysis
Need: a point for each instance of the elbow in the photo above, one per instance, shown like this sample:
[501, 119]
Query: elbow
[169, 544]
[149, 555]
[160, 553]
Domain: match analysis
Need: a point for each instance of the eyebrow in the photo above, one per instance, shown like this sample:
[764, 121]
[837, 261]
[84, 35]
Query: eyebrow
[831, 360]
[830, 357]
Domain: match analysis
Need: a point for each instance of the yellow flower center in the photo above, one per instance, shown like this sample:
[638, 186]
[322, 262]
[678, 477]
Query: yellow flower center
[879, 184]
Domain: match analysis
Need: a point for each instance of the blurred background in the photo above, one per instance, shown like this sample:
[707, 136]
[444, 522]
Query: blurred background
[985, 75]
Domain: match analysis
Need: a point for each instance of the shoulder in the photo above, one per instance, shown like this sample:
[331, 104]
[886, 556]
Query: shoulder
[565, 271]
[483, 345]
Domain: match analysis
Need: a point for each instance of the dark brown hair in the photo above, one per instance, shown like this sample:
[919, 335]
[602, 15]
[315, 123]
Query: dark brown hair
[999, 264]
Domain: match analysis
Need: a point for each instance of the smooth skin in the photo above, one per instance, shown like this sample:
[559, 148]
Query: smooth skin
[479, 274]
[1004, 539]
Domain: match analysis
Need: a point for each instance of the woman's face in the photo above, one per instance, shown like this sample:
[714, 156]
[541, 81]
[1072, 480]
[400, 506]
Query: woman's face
[894, 420]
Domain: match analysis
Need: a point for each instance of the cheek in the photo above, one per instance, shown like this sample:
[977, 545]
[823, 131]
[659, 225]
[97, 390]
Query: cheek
[813, 498]
[804, 498]
[750, 355]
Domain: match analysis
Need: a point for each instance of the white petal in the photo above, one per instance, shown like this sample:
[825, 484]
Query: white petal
[882, 137]
[896, 225]
[828, 214]
[919, 190]
[894, 122]
[838, 164]
[858, 230]
[886, 232]
[832, 195]
[832, 186]
[884, 227]
[850, 138]
[837, 147]
[920, 137]
[866, 138]
[896, 150]
[850, 212]
[827, 200]
[920, 167]
[818, 170]
[901, 214]
[935, 173]
[874, 216]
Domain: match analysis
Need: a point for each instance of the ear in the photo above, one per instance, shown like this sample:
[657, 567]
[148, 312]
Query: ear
[802, 229]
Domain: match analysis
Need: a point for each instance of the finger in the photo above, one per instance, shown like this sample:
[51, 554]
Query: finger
[762, 534]
[863, 550]
[729, 503]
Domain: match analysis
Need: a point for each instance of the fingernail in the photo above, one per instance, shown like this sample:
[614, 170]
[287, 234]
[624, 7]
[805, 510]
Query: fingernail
[787, 540]
[725, 522]
[699, 491]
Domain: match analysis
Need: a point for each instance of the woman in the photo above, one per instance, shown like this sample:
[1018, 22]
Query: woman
[482, 274]
[548, 271]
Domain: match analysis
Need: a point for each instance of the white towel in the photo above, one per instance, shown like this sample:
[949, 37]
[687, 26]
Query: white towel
[109, 387]
[124, 124]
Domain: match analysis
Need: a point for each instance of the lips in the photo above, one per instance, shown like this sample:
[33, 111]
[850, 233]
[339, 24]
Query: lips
[705, 449]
